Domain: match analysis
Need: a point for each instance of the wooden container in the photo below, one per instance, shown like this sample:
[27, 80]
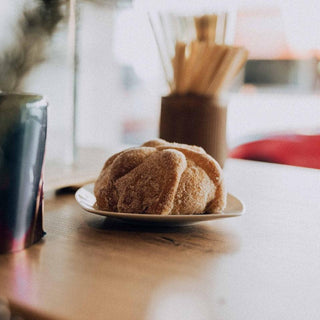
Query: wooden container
[196, 120]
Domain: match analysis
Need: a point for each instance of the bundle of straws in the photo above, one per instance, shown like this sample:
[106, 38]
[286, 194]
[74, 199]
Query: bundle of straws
[202, 63]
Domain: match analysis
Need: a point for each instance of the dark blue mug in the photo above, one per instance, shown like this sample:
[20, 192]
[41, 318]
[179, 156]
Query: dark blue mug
[23, 130]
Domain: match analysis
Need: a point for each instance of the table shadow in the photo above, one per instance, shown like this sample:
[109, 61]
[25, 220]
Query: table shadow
[206, 236]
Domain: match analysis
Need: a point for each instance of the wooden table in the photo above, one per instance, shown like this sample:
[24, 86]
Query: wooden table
[263, 265]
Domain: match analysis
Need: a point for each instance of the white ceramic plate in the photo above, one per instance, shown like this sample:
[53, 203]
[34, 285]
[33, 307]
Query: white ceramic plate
[86, 199]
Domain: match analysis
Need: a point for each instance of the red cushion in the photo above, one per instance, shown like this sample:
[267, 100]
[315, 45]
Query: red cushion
[296, 150]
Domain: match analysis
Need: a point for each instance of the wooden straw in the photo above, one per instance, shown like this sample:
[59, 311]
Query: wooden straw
[221, 28]
[196, 50]
[245, 54]
[213, 19]
[179, 64]
[199, 69]
[224, 18]
[206, 27]
[216, 55]
[223, 67]
[230, 66]
[233, 69]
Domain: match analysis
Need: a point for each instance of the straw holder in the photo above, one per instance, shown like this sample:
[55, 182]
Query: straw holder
[196, 120]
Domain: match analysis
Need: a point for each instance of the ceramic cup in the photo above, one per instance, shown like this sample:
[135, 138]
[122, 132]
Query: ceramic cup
[23, 127]
[196, 120]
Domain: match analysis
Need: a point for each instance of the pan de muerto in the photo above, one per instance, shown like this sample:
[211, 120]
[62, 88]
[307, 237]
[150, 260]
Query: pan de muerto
[161, 178]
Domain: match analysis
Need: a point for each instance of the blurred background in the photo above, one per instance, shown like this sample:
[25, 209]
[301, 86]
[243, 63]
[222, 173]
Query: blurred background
[97, 63]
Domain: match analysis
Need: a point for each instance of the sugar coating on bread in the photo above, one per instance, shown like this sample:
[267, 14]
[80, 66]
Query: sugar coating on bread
[161, 178]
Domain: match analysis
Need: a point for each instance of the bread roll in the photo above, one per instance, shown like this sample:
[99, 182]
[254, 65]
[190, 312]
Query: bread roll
[161, 178]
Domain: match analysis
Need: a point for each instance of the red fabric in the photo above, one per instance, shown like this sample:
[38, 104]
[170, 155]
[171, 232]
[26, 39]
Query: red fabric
[296, 150]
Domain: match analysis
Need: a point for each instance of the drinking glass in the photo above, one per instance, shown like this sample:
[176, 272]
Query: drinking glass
[23, 129]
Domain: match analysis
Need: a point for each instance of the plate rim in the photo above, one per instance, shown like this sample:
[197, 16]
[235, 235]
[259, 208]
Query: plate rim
[152, 217]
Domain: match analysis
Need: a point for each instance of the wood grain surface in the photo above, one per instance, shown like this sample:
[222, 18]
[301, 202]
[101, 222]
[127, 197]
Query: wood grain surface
[263, 265]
